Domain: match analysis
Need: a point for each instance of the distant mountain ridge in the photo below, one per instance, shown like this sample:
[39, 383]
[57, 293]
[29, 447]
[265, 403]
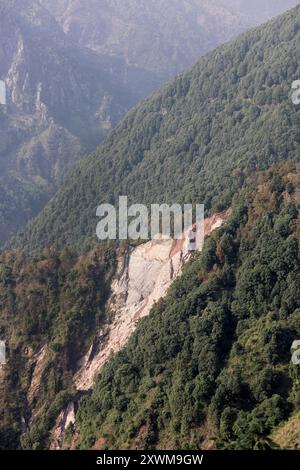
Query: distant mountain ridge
[163, 36]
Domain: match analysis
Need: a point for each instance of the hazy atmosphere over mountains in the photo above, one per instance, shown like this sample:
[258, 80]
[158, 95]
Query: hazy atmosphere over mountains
[138, 344]
[161, 36]
[73, 68]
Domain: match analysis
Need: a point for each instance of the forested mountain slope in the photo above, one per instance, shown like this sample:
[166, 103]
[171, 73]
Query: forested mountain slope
[73, 69]
[193, 141]
[211, 366]
[51, 306]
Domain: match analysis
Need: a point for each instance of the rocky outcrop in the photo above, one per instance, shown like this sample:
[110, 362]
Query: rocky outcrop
[37, 364]
[145, 273]
[65, 418]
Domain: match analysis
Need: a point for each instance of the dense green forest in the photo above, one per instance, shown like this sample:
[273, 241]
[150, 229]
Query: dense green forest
[195, 140]
[213, 360]
[211, 367]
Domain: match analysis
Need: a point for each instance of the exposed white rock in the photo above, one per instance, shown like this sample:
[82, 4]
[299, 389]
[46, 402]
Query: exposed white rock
[143, 277]
[65, 418]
